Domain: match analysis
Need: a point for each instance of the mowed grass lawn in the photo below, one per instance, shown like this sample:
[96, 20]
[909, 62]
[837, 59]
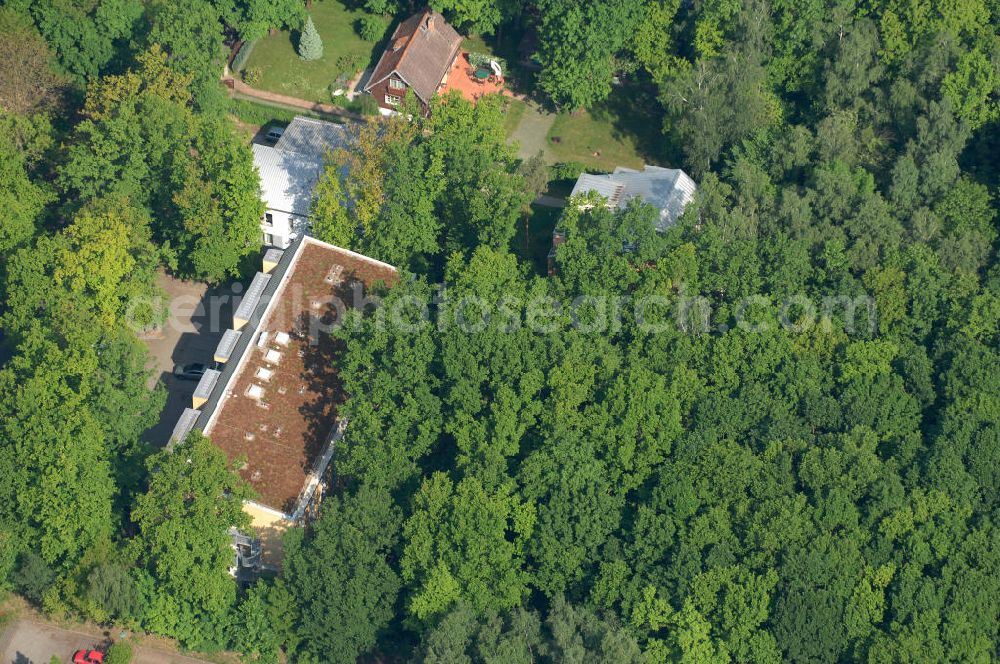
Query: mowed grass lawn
[624, 130]
[513, 112]
[282, 70]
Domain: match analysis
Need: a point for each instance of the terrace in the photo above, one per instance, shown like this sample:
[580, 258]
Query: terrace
[462, 77]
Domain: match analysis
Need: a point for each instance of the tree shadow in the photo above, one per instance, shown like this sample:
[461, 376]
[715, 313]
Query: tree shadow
[321, 368]
[636, 115]
[211, 317]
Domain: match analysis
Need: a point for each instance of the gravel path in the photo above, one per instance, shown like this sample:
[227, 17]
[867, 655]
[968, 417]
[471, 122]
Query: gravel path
[532, 131]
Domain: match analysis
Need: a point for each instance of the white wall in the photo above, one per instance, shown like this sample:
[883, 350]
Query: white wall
[284, 227]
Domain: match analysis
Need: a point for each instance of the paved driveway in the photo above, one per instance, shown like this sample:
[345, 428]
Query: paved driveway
[28, 642]
[198, 317]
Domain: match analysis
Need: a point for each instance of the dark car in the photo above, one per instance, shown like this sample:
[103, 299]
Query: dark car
[88, 657]
[274, 133]
[189, 371]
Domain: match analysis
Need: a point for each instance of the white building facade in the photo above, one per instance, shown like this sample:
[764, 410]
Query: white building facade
[289, 171]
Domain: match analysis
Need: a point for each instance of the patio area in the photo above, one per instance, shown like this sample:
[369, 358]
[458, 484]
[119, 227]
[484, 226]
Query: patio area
[462, 77]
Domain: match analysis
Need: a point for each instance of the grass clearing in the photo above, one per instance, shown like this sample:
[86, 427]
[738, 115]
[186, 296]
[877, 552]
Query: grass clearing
[344, 52]
[513, 112]
[476, 44]
[621, 131]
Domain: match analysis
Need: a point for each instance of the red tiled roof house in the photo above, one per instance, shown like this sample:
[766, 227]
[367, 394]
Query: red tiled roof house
[418, 58]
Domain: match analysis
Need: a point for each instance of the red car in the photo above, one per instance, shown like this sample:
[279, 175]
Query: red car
[88, 657]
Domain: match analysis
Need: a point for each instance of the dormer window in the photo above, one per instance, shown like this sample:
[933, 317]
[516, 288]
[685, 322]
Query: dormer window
[396, 84]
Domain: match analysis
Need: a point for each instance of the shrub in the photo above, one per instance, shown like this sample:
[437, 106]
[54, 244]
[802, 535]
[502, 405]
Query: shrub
[567, 170]
[365, 105]
[310, 43]
[114, 592]
[33, 576]
[370, 27]
[120, 652]
[482, 60]
[261, 114]
[252, 76]
[349, 64]
[240, 61]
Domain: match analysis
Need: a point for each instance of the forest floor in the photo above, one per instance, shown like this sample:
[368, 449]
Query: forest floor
[534, 236]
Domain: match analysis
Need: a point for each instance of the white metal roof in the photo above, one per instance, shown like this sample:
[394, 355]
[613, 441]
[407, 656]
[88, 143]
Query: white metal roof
[287, 179]
[312, 137]
[290, 170]
[183, 427]
[667, 189]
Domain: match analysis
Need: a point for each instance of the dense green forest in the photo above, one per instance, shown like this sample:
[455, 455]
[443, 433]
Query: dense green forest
[793, 456]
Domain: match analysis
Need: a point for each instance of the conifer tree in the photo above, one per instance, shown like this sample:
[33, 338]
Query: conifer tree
[310, 43]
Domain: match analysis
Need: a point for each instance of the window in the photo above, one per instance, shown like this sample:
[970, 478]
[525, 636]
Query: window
[393, 100]
[268, 219]
[396, 84]
[268, 238]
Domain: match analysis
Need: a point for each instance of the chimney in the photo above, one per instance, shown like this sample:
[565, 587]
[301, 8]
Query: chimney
[430, 22]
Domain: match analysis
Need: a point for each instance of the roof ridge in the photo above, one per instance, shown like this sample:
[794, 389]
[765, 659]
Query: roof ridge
[413, 37]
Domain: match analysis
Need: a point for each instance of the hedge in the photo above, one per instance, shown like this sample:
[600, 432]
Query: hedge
[240, 61]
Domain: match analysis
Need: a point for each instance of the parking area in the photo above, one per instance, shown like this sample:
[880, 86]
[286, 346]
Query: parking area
[197, 318]
[29, 642]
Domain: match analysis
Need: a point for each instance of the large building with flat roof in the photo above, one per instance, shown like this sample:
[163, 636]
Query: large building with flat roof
[274, 399]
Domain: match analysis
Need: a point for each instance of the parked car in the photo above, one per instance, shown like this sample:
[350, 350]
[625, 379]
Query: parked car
[189, 371]
[88, 657]
[274, 133]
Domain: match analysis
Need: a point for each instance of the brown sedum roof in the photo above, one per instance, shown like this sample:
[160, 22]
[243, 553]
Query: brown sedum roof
[421, 51]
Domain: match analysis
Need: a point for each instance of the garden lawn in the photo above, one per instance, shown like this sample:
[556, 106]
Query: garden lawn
[513, 112]
[622, 131]
[283, 72]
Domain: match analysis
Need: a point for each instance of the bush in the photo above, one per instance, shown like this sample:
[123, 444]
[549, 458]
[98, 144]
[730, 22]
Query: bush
[370, 27]
[310, 43]
[113, 592]
[349, 64]
[240, 61]
[252, 76]
[365, 105]
[8, 558]
[261, 114]
[120, 652]
[567, 170]
[482, 60]
[33, 576]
